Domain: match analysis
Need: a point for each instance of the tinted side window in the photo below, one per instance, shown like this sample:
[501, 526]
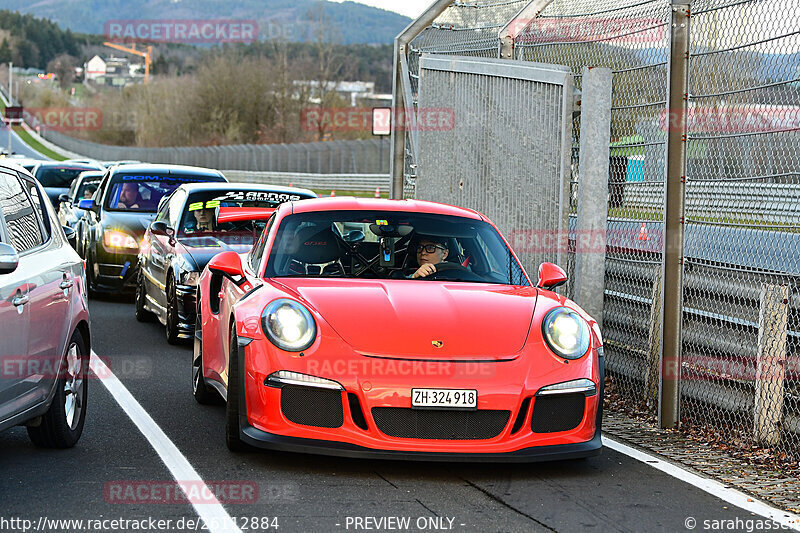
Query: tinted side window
[175, 208]
[20, 215]
[38, 204]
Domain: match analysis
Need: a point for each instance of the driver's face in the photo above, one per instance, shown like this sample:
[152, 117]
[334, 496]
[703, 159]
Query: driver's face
[424, 256]
[203, 216]
[129, 194]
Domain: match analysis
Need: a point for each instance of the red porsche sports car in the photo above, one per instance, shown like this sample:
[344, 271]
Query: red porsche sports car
[385, 328]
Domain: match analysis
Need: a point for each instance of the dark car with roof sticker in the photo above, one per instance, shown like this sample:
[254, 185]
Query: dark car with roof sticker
[120, 212]
[197, 222]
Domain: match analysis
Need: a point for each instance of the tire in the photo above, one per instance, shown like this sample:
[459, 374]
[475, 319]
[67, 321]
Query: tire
[203, 394]
[232, 427]
[172, 312]
[62, 424]
[142, 314]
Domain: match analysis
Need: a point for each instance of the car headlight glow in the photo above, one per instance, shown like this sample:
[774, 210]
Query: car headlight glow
[566, 333]
[289, 325]
[119, 240]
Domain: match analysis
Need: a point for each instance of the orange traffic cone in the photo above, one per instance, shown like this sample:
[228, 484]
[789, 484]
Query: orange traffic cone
[291, 184]
[377, 192]
[643, 233]
[333, 193]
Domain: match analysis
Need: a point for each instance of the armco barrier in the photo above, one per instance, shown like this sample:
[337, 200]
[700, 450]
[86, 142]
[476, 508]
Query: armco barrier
[335, 157]
[337, 182]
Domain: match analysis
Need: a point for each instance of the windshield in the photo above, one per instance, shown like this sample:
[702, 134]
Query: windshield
[142, 193]
[201, 216]
[59, 177]
[391, 245]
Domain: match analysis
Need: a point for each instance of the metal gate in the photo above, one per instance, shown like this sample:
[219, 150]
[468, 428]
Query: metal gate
[496, 136]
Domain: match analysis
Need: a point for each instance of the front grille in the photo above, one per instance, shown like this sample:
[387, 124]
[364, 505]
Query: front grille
[559, 412]
[310, 406]
[440, 424]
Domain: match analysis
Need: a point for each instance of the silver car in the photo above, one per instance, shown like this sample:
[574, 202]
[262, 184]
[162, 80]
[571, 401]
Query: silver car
[44, 317]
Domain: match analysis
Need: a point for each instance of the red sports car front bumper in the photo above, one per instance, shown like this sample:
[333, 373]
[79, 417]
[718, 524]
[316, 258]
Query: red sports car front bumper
[372, 415]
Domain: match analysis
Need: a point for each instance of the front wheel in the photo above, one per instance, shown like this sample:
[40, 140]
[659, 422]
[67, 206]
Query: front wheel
[203, 394]
[142, 314]
[61, 426]
[232, 426]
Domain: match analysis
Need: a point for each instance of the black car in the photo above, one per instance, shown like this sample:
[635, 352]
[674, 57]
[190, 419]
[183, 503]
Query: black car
[57, 177]
[193, 225]
[122, 208]
[69, 214]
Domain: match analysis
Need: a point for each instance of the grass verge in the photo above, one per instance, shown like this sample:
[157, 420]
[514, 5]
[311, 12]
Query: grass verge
[28, 139]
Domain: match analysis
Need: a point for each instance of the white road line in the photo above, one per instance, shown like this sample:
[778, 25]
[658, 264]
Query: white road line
[212, 513]
[713, 487]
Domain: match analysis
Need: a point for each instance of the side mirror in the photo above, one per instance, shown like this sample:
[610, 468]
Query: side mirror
[64, 198]
[159, 227]
[71, 235]
[551, 276]
[228, 264]
[9, 259]
[87, 204]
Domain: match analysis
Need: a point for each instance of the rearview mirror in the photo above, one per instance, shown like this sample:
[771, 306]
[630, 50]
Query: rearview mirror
[551, 276]
[63, 198]
[9, 259]
[228, 264]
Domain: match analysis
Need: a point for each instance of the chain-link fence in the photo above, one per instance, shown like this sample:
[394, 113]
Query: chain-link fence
[741, 342]
[333, 157]
[741, 257]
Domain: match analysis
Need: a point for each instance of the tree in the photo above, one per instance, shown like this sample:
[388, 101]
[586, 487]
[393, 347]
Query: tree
[5, 51]
[63, 66]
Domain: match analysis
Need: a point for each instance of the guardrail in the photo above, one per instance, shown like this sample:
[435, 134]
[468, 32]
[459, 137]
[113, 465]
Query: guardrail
[768, 202]
[333, 157]
[338, 182]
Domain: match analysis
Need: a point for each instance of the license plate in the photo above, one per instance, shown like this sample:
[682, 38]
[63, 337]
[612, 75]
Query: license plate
[444, 398]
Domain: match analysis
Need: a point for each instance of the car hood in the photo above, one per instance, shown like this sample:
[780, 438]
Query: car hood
[407, 319]
[202, 249]
[133, 223]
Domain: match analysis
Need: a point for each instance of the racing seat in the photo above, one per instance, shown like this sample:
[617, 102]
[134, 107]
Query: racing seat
[317, 253]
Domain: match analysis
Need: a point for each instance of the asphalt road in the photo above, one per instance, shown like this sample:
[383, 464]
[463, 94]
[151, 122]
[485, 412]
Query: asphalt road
[17, 145]
[611, 492]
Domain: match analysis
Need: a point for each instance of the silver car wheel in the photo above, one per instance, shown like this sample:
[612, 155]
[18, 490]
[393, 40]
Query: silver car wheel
[73, 386]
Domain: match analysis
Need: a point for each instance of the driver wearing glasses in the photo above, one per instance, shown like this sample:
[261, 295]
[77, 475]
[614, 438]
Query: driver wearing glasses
[430, 252]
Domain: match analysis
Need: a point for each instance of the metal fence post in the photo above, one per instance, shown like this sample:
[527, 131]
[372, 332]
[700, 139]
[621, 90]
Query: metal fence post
[771, 370]
[595, 136]
[674, 200]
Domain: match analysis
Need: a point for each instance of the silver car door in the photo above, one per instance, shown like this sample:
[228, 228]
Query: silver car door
[17, 388]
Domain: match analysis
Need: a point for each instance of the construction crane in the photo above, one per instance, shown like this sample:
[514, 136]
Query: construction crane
[132, 50]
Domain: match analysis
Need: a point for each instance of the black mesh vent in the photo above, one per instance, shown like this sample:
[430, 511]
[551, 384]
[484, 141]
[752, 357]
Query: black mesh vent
[523, 412]
[560, 412]
[440, 424]
[311, 406]
[356, 412]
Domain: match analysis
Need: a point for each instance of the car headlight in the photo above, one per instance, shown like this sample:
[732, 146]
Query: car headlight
[289, 325]
[190, 278]
[566, 333]
[119, 240]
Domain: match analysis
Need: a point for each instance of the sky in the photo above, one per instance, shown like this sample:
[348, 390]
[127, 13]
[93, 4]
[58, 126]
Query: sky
[409, 8]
